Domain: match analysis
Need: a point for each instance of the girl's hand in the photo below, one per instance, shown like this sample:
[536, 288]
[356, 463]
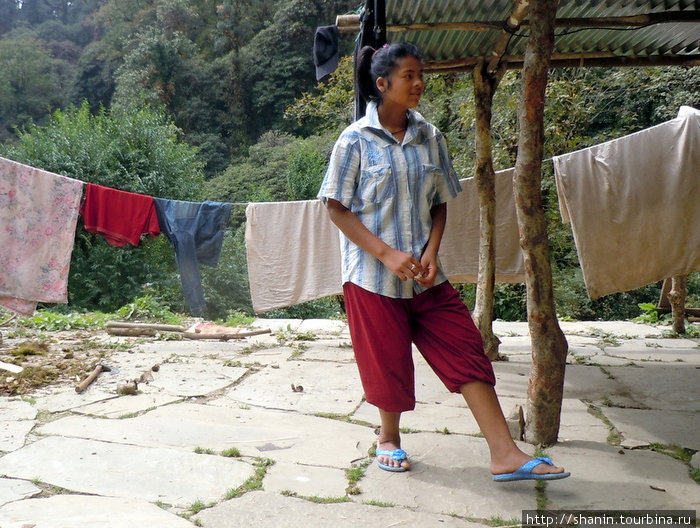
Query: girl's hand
[429, 267]
[403, 265]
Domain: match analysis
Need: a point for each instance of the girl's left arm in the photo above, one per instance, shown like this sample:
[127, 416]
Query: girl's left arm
[429, 258]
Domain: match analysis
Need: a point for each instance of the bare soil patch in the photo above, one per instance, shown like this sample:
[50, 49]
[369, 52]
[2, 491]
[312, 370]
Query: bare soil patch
[49, 358]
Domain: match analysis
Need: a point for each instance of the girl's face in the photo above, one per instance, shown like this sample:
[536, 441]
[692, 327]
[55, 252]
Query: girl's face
[405, 85]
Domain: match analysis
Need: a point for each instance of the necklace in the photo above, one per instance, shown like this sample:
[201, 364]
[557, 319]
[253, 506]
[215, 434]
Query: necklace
[397, 131]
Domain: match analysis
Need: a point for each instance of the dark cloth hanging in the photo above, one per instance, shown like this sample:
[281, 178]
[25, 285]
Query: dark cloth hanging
[196, 232]
[119, 216]
[326, 55]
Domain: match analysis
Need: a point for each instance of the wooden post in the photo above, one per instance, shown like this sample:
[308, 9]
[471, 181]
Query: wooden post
[679, 290]
[549, 347]
[485, 85]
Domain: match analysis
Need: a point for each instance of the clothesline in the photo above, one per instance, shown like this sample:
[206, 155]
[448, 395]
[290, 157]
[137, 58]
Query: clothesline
[635, 232]
[39, 212]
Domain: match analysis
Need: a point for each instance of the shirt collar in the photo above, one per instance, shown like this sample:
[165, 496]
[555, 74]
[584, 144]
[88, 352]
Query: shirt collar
[371, 121]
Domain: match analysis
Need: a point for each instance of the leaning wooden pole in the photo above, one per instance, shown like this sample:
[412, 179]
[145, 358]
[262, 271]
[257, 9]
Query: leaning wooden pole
[485, 85]
[677, 295]
[549, 347]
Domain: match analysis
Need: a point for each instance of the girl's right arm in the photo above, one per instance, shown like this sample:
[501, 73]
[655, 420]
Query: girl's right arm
[397, 261]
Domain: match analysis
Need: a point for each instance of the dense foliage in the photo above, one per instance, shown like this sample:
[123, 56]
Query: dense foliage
[203, 99]
[137, 152]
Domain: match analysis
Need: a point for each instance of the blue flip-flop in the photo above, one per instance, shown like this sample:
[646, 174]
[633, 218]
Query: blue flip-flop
[397, 454]
[524, 472]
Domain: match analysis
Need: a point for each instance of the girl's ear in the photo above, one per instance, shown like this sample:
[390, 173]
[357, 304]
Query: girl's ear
[381, 84]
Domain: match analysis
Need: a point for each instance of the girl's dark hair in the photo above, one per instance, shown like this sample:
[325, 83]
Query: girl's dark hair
[372, 64]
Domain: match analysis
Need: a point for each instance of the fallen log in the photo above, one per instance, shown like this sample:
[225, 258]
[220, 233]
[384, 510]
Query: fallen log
[131, 332]
[146, 326]
[225, 336]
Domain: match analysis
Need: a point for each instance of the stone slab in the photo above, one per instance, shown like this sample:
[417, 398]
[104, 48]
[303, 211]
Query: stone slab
[695, 461]
[124, 406]
[605, 360]
[620, 329]
[576, 423]
[663, 350]
[667, 427]
[510, 328]
[178, 374]
[511, 378]
[515, 345]
[16, 420]
[324, 327]
[327, 387]
[83, 511]
[306, 481]
[14, 434]
[16, 409]
[582, 355]
[661, 385]
[172, 476]
[263, 509]
[65, 398]
[255, 432]
[587, 382]
[449, 475]
[522, 345]
[13, 490]
[277, 325]
[337, 350]
[606, 477]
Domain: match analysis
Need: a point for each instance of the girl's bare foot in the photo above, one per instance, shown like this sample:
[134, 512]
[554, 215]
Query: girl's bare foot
[388, 460]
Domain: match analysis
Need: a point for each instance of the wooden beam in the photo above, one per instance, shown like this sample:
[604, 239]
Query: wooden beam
[572, 60]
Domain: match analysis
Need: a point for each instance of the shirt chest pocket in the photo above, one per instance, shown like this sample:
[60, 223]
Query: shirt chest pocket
[377, 184]
[432, 176]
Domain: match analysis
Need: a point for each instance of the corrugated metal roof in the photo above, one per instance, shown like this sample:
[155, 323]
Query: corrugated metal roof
[662, 42]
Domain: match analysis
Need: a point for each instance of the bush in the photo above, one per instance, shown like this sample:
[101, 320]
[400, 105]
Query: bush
[325, 308]
[226, 286]
[306, 166]
[137, 152]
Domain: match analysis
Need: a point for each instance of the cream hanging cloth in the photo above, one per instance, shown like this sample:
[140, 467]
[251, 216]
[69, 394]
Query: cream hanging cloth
[293, 252]
[293, 248]
[634, 205]
[459, 251]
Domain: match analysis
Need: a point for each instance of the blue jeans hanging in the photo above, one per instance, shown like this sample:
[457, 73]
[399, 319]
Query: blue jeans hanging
[196, 232]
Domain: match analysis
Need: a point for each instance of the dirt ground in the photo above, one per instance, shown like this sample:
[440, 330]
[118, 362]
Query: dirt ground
[49, 358]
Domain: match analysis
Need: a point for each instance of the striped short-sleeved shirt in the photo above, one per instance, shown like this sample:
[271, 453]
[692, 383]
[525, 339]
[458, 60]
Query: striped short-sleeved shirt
[391, 186]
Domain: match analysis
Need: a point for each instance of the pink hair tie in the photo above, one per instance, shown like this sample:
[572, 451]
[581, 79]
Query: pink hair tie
[385, 46]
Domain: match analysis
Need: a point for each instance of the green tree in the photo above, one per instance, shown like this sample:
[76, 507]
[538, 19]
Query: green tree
[137, 152]
[277, 63]
[34, 12]
[306, 166]
[327, 108]
[9, 11]
[29, 87]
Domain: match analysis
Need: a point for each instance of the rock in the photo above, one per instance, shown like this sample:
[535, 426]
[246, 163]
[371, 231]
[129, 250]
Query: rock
[695, 461]
[516, 422]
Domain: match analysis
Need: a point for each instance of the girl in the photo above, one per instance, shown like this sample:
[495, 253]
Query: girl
[386, 189]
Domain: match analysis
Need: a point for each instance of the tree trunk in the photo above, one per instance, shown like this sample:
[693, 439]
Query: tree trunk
[549, 347]
[679, 287]
[485, 85]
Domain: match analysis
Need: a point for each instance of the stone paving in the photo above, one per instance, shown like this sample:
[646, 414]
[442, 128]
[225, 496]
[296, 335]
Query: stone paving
[272, 430]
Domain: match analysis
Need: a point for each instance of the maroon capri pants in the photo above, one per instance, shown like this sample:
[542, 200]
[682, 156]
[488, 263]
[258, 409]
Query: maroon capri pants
[383, 328]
